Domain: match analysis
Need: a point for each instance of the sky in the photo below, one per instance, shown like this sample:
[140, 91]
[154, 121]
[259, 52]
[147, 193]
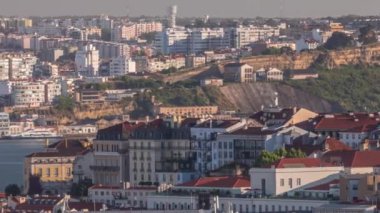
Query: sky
[191, 8]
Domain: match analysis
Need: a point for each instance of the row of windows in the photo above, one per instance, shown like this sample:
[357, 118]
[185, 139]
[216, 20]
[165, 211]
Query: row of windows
[290, 182]
[56, 172]
[106, 148]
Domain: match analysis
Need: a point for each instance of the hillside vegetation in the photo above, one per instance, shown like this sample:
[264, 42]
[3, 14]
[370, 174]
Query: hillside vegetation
[354, 88]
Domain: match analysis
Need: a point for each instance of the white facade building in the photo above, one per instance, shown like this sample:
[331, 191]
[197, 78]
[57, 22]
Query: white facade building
[4, 124]
[122, 66]
[87, 61]
[289, 175]
[247, 35]
[197, 40]
[204, 134]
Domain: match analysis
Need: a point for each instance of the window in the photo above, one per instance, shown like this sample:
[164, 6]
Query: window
[282, 182]
[290, 183]
[298, 181]
[48, 172]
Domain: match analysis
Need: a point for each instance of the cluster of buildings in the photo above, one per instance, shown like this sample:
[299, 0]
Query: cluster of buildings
[181, 161]
[197, 40]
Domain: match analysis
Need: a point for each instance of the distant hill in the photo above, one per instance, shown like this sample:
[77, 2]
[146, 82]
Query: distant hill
[353, 88]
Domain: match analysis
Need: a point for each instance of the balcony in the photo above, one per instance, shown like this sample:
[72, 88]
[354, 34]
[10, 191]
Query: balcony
[105, 168]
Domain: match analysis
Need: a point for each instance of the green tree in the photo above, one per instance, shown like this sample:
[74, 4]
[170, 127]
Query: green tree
[149, 37]
[267, 158]
[64, 103]
[80, 189]
[35, 186]
[170, 70]
[271, 51]
[339, 40]
[367, 35]
[106, 35]
[12, 189]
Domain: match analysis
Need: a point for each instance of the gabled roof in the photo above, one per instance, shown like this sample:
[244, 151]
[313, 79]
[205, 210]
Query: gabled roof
[353, 159]
[300, 163]
[219, 182]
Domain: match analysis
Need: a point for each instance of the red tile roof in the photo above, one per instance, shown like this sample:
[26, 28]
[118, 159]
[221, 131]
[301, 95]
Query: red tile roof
[333, 144]
[324, 187]
[300, 163]
[366, 158]
[353, 122]
[219, 182]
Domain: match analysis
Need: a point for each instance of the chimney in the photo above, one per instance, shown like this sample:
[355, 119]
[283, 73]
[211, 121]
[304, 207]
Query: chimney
[46, 142]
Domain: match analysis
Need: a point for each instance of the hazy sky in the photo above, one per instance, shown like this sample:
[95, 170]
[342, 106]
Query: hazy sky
[191, 8]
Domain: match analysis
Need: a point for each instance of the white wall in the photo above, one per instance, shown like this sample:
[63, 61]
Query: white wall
[307, 176]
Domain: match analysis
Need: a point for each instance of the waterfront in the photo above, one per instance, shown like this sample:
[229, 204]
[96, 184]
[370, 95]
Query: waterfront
[12, 153]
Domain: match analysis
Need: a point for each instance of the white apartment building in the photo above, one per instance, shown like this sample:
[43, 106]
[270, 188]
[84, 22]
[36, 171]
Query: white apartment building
[4, 69]
[160, 154]
[34, 94]
[134, 30]
[21, 67]
[183, 203]
[123, 197]
[155, 65]
[204, 134]
[306, 44]
[28, 94]
[4, 124]
[209, 39]
[87, 129]
[122, 66]
[290, 174]
[197, 40]
[5, 87]
[246, 35]
[52, 90]
[87, 61]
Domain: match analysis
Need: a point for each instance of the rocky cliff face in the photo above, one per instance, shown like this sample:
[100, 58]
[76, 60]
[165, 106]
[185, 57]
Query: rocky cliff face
[251, 97]
[366, 55]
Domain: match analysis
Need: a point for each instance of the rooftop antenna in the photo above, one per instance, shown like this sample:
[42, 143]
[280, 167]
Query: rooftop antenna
[282, 3]
[276, 99]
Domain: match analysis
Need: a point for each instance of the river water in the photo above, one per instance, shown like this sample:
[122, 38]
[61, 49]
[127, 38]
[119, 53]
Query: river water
[12, 153]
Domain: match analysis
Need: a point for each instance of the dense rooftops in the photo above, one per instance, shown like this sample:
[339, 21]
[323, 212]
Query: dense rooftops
[64, 148]
[349, 122]
[353, 158]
